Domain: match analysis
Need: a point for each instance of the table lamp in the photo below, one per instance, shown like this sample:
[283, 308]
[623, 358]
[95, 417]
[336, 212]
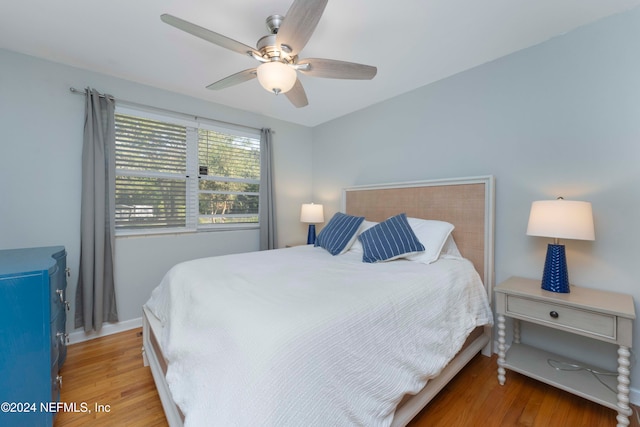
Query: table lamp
[559, 219]
[311, 214]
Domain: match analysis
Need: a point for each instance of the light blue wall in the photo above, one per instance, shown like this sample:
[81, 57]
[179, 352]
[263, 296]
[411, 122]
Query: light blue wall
[40, 157]
[560, 118]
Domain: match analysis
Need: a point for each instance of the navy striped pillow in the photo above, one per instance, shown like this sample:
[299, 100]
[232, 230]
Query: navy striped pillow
[339, 234]
[391, 239]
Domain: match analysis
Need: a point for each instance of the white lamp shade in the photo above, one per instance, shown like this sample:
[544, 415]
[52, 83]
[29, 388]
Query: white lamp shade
[276, 77]
[561, 219]
[311, 213]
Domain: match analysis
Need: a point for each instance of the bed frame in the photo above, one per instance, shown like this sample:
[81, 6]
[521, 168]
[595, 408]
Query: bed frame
[468, 203]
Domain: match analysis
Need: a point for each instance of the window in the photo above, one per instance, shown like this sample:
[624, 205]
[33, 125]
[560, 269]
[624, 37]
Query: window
[229, 181]
[174, 174]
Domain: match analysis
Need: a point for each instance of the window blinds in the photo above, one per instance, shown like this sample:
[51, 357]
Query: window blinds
[171, 175]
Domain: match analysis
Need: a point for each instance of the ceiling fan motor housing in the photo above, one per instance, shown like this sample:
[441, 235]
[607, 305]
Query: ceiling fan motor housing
[273, 25]
[269, 50]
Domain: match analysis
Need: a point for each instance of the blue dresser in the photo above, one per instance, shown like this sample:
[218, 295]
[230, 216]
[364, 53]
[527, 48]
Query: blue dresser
[32, 334]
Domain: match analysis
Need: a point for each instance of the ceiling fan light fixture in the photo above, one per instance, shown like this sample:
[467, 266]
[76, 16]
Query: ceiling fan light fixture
[276, 77]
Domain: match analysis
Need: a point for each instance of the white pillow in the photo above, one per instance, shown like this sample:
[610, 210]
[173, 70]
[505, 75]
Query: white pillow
[357, 244]
[450, 249]
[433, 235]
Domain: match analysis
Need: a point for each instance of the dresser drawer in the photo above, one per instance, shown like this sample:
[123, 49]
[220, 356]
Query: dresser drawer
[581, 321]
[61, 338]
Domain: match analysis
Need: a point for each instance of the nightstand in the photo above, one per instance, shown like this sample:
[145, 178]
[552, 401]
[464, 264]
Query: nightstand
[600, 315]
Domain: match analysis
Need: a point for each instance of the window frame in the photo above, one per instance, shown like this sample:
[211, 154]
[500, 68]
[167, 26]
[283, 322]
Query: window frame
[192, 176]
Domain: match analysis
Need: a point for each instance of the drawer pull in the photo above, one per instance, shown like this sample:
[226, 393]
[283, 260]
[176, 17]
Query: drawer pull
[554, 314]
[64, 338]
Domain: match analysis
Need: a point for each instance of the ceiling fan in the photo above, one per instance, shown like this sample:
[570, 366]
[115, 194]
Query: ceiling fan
[278, 53]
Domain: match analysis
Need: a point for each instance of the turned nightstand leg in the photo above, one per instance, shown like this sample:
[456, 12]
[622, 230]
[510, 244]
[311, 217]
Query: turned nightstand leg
[623, 386]
[516, 331]
[501, 350]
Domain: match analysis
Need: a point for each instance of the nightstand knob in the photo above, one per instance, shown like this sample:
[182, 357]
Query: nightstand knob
[554, 314]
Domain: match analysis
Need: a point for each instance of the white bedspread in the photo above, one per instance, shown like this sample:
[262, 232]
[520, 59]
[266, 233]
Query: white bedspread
[297, 337]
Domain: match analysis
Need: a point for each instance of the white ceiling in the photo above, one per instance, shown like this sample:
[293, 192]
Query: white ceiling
[412, 42]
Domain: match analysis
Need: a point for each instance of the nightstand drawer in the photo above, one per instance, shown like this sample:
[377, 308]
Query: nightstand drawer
[582, 321]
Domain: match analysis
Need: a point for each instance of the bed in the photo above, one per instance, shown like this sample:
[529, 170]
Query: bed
[338, 350]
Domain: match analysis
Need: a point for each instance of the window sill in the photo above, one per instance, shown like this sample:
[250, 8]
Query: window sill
[178, 232]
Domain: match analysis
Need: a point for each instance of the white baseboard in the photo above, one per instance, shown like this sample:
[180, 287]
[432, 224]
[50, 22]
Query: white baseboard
[107, 329]
[634, 394]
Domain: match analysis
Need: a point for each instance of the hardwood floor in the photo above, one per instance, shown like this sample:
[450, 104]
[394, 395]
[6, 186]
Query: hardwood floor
[107, 375]
[108, 372]
[475, 398]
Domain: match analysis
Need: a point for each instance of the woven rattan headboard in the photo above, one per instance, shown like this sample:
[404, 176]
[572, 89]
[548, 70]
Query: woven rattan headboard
[467, 203]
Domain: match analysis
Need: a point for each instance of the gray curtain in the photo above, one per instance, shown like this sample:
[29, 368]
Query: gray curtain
[95, 294]
[267, 215]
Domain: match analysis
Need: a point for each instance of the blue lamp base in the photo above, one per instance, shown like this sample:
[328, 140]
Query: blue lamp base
[311, 237]
[555, 277]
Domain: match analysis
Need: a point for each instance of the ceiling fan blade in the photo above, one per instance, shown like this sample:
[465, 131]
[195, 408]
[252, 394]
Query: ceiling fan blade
[297, 95]
[234, 79]
[208, 35]
[333, 69]
[298, 25]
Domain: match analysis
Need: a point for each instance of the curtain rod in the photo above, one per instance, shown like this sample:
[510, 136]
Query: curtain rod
[75, 91]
